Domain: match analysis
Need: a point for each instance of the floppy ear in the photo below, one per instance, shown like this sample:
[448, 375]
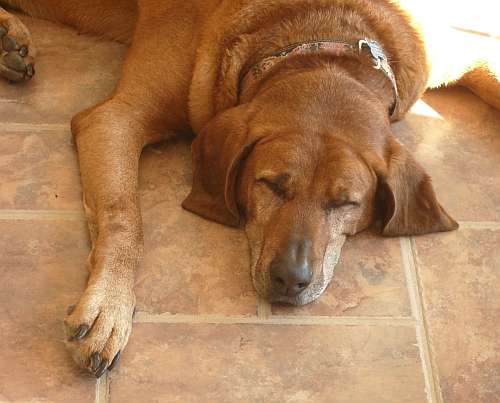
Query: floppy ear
[411, 206]
[218, 152]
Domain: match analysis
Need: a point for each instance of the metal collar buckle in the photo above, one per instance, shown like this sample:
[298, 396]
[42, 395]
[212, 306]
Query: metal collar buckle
[381, 62]
[376, 52]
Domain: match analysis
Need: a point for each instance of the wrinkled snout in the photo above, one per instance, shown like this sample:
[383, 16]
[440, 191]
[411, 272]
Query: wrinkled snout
[291, 270]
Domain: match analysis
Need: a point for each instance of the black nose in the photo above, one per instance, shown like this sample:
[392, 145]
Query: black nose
[291, 270]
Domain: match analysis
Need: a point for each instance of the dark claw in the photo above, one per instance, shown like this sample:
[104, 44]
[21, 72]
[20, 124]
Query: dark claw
[102, 368]
[134, 312]
[70, 309]
[23, 51]
[95, 361]
[3, 31]
[81, 332]
[15, 61]
[115, 361]
[30, 70]
[9, 43]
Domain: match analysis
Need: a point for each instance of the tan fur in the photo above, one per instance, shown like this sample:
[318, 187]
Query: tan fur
[287, 156]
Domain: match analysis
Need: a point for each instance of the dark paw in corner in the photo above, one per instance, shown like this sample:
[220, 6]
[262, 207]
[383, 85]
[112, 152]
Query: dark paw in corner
[17, 61]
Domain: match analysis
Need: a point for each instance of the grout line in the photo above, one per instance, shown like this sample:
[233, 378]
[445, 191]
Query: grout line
[37, 127]
[432, 387]
[167, 318]
[48, 215]
[264, 309]
[493, 225]
[102, 389]
[491, 34]
[75, 215]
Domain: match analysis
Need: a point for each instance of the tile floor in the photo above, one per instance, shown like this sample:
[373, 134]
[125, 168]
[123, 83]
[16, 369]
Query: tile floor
[405, 320]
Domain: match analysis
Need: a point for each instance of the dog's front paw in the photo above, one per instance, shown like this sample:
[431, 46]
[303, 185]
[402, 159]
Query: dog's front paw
[16, 50]
[98, 328]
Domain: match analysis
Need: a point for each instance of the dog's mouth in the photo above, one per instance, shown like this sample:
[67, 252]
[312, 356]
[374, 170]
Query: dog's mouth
[323, 276]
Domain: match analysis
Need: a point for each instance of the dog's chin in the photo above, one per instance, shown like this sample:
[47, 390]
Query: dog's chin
[332, 255]
[303, 298]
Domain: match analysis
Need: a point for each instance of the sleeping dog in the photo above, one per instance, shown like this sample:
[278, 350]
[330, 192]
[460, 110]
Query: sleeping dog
[291, 103]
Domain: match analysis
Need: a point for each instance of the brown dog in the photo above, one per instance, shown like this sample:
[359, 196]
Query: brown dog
[294, 138]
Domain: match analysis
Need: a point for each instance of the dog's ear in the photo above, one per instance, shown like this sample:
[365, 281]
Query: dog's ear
[218, 152]
[406, 197]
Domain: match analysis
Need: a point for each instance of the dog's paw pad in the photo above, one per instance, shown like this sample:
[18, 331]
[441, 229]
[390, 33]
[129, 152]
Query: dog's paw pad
[16, 52]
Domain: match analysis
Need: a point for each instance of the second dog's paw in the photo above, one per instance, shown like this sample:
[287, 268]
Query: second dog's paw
[16, 51]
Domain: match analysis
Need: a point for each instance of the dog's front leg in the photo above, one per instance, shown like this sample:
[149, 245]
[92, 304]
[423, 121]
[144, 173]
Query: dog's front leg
[109, 143]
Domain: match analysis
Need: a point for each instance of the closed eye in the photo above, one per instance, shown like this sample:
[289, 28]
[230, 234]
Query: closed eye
[337, 204]
[276, 188]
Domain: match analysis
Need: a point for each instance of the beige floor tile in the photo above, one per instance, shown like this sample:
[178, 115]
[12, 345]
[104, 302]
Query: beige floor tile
[192, 266]
[460, 276]
[39, 171]
[454, 135]
[248, 363]
[368, 281]
[42, 267]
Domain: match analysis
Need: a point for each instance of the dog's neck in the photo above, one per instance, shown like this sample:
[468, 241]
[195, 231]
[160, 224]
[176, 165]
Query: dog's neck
[322, 93]
[365, 51]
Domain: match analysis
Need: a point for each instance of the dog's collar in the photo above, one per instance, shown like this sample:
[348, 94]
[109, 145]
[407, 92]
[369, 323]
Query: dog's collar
[365, 48]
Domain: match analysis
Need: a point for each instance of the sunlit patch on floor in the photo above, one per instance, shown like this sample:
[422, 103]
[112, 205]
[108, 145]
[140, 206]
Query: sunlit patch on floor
[423, 109]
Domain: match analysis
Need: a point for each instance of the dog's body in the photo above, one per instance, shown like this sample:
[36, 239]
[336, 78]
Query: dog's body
[302, 155]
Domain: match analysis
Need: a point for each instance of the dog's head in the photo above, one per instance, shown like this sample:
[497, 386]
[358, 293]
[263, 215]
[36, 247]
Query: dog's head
[299, 194]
